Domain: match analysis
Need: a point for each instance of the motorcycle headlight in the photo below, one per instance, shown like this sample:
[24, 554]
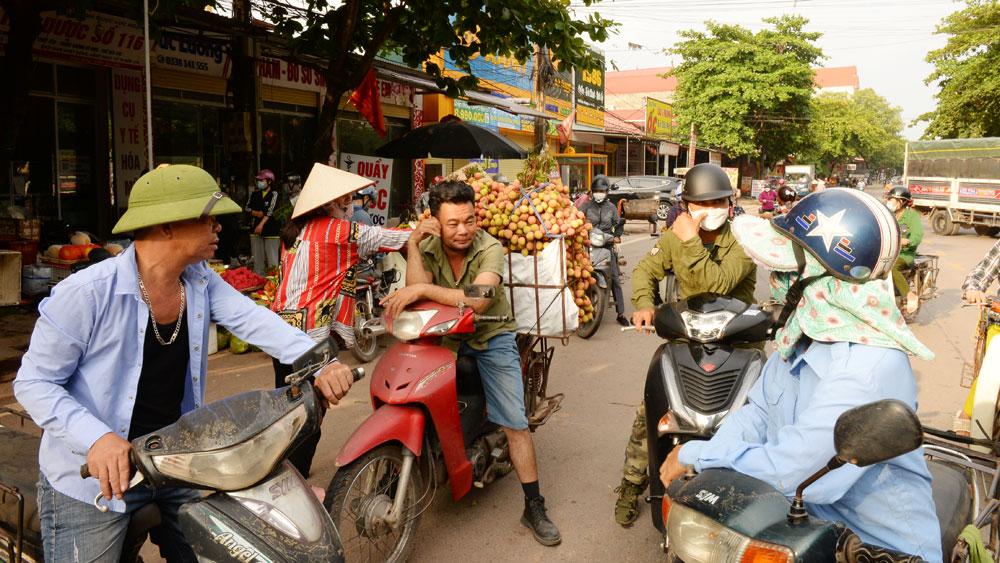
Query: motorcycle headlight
[409, 325]
[239, 466]
[706, 327]
[693, 536]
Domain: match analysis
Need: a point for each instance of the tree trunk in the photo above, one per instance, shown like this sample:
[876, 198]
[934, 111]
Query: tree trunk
[15, 71]
[323, 148]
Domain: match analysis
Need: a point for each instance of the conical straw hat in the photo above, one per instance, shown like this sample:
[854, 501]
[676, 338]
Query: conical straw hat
[325, 184]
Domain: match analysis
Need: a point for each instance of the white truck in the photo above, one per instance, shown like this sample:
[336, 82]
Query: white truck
[956, 181]
[799, 177]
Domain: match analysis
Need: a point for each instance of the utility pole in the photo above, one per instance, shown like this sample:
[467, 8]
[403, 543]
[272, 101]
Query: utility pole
[542, 73]
[243, 84]
[692, 146]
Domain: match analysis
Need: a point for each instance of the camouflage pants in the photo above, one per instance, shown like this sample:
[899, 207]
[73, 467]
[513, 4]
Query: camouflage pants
[636, 469]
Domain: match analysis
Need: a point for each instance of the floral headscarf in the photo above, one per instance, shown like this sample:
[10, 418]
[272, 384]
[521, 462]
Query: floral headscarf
[831, 310]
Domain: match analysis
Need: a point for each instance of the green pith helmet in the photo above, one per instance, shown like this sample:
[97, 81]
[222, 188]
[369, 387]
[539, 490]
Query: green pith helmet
[173, 193]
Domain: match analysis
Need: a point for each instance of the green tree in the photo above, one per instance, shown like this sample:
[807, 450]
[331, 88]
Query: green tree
[965, 69]
[748, 93]
[844, 127]
[347, 35]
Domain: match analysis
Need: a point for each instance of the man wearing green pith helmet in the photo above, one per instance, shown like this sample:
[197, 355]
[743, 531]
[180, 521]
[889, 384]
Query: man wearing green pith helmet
[120, 350]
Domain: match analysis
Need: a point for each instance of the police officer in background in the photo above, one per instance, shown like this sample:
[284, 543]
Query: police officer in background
[603, 215]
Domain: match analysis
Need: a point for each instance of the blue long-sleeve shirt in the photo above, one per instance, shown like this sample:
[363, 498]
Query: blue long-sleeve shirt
[784, 434]
[78, 379]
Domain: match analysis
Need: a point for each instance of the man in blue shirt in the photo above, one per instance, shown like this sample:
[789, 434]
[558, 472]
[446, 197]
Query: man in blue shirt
[120, 350]
[842, 343]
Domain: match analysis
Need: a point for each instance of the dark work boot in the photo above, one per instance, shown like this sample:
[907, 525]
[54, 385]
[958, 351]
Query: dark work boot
[542, 528]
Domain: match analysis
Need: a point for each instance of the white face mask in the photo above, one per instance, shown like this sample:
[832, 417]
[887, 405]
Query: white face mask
[715, 218]
[893, 205]
[599, 197]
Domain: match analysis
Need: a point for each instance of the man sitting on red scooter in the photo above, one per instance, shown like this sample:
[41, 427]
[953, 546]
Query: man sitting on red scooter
[445, 254]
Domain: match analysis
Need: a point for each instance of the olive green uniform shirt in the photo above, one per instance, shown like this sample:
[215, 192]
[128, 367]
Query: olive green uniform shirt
[485, 255]
[721, 267]
[912, 229]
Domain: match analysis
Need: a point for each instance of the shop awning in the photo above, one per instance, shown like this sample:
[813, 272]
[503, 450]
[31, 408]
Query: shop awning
[471, 95]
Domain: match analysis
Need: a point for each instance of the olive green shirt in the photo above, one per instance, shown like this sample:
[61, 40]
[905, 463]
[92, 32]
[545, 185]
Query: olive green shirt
[911, 228]
[485, 255]
[721, 267]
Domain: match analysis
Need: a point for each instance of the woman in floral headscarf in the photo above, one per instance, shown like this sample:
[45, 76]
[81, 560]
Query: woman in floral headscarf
[841, 343]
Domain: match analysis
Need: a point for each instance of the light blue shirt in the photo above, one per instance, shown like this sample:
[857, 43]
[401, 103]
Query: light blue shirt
[78, 379]
[784, 434]
[359, 215]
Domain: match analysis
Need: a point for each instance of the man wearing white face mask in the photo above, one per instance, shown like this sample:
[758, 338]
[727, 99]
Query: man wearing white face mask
[705, 257]
[603, 215]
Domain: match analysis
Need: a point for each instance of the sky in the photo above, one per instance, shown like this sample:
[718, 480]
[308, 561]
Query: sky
[887, 40]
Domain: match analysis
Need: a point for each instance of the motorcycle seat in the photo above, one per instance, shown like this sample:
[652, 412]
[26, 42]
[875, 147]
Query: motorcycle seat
[467, 380]
[952, 503]
[19, 469]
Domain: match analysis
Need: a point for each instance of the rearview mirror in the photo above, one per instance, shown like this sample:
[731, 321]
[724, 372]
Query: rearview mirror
[480, 291]
[322, 352]
[876, 432]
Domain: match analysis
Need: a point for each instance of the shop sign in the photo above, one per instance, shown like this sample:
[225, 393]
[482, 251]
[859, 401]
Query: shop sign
[99, 39]
[277, 72]
[190, 53]
[486, 116]
[498, 73]
[128, 112]
[660, 121]
[377, 169]
[589, 116]
[561, 88]
[669, 149]
[590, 85]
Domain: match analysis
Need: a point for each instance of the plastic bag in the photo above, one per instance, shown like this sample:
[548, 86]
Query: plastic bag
[542, 305]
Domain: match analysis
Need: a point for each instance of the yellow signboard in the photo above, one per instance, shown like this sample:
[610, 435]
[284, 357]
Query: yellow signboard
[660, 119]
[589, 116]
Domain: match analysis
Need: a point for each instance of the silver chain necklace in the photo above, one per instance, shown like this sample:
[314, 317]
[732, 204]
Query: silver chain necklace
[149, 304]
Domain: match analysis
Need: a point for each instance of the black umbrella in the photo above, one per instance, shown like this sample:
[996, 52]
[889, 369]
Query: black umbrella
[451, 138]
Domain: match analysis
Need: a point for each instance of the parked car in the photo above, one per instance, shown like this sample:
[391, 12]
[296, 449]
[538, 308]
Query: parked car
[660, 188]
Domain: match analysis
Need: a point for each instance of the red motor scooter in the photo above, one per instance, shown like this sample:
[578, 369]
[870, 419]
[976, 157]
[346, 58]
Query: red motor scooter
[429, 426]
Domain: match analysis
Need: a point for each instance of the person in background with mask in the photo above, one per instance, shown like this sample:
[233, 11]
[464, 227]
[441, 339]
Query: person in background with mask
[841, 345]
[912, 232]
[603, 215]
[321, 246]
[360, 204]
[703, 254]
[264, 242]
[767, 199]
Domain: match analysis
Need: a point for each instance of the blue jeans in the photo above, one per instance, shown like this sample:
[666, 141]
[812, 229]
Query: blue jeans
[500, 368]
[77, 531]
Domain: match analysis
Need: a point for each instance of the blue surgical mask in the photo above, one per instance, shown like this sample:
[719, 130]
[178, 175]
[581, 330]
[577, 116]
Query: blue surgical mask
[261, 184]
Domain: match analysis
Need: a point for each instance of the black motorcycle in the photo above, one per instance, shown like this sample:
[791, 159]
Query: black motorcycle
[702, 372]
[722, 515]
[602, 252]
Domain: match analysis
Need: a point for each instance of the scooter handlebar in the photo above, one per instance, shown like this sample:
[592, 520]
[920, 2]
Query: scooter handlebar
[358, 373]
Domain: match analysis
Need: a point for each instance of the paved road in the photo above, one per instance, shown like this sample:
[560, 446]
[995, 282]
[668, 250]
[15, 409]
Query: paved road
[581, 448]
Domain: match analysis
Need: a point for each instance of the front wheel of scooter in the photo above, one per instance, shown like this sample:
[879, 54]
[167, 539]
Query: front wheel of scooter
[361, 493]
